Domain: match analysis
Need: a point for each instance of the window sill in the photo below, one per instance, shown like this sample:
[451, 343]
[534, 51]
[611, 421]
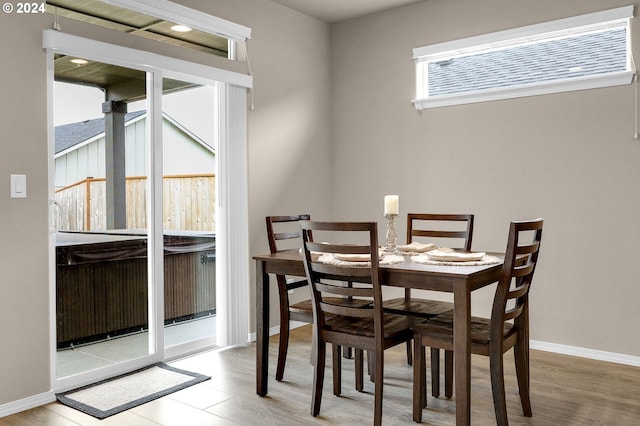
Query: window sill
[578, 83]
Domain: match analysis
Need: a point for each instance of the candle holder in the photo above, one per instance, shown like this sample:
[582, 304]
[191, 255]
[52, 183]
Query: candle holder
[391, 233]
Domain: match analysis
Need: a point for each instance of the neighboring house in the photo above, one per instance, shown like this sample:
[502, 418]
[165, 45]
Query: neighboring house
[80, 151]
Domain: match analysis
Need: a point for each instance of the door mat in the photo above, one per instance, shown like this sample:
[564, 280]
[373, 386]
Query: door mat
[112, 396]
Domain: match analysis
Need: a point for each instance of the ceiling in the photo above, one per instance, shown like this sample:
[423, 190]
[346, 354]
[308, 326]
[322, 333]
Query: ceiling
[340, 10]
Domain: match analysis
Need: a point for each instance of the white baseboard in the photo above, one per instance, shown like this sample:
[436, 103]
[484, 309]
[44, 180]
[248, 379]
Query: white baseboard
[27, 403]
[534, 344]
[586, 353]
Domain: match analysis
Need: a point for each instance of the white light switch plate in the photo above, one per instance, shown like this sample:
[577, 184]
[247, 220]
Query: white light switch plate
[18, 186]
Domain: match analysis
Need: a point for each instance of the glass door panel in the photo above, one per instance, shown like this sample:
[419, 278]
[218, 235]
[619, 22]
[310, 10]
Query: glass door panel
[101, 194]
[189, 215]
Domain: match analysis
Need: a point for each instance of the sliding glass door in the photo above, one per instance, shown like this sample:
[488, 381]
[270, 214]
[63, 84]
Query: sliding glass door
[155, 211]
[134, 214]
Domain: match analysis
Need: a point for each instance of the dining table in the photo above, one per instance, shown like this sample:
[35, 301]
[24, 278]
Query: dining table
[458, 279]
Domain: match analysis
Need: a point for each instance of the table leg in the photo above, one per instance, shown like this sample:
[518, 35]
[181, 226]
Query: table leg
[462, 352]
[262, 329]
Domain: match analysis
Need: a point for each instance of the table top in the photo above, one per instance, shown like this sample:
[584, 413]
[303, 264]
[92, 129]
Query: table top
[407, 267]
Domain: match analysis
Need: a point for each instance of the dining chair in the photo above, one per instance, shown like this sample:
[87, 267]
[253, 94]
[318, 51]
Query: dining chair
[283, 233]
[508, 326]
[351, 255]
[450, 230]
[286, 231]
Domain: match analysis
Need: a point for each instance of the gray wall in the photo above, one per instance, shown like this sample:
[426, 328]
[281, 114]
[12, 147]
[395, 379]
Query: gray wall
[569, 158]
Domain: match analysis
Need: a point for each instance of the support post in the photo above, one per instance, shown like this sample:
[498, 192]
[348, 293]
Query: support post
[116, 193]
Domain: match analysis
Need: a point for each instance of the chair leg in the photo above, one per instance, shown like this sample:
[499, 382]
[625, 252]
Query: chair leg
[347, 352]
[318, 378]
[371, 363]
[283, 344]
[423, 376]
[435, 372]
[522, 372]
[313, 345]
[378, 383]
[409, 353]
[337, 369]
[359, 367]
[496, 368]
[448, 374]
[419, 380]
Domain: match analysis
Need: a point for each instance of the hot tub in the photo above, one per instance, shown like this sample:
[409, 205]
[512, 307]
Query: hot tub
[102, 286]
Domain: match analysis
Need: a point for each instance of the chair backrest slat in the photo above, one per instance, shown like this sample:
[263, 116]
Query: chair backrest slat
[286, 235]
[438, 228]
[347, 311]
[343, 291]
[338, 248]
[439, 234]
[528, 249]
[522, 271]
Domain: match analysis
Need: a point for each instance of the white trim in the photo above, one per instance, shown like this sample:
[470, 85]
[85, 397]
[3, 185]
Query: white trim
[155, 208]
[233, 218]
[578, 83]
[53, 219]
[586, 353]
[145, 61]
[193, 18]
[188, 132]
[27, 403]
[530, 30]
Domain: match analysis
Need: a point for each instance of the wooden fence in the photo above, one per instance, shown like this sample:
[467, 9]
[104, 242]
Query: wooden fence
[188, 204]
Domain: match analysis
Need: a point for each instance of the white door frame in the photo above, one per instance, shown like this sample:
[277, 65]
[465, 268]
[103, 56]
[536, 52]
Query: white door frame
[232, 262]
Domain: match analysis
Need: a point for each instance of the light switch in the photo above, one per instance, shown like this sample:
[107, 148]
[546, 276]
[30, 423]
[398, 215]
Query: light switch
[18, 186]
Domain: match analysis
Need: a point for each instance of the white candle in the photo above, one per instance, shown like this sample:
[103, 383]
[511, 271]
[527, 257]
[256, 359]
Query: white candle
[391, 204]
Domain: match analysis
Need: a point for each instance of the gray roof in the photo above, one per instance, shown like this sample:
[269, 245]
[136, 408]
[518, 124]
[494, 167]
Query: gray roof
[588, 54]
[69, 135]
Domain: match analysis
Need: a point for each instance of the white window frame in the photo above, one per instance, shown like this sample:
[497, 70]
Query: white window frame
[454, 48]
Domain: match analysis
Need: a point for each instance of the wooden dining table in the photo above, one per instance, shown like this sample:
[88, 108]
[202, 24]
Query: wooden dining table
[460, 280]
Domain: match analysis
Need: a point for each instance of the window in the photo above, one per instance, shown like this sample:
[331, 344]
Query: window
[577, 53]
